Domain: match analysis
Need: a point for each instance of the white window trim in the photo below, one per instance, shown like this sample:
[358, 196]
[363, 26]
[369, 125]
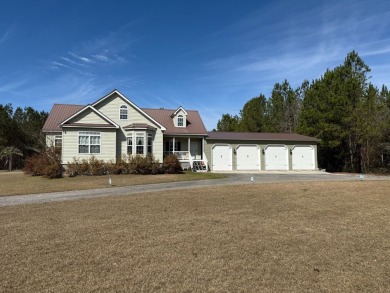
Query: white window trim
[182, 117]
[134, 135]
[127, 112]
[149, 134]
[89, 134]
[57, 138]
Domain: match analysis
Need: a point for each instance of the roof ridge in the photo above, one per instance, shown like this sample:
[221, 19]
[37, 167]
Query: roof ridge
[164, 109]
[69, 105]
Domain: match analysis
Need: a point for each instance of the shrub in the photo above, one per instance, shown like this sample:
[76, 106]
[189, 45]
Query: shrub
[141, 165]
[47, 164]
[133, 165]
[78, 167]
[97, 167]
[171, 165]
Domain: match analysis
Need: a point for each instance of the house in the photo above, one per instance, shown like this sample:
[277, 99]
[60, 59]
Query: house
[114, 127]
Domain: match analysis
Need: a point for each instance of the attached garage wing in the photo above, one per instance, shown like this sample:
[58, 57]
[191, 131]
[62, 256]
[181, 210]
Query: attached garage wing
[303, 158]
[222, 158]
[248, 157]
[276, 157]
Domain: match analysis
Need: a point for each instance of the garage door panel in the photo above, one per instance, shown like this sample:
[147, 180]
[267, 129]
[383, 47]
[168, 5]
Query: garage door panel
[303, 158]
[248, 157]
[276, 158]
[222, 158]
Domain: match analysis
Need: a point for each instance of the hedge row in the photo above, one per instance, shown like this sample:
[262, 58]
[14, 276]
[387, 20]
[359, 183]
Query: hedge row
[48, 164]
[131, 165]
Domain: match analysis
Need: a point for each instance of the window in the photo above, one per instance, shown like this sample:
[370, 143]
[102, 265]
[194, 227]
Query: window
[169, 146]
[123, 112]
[58, 141]
[150, 143]
[130, 145]
[180, 120]
[140, 143]
[89, 142]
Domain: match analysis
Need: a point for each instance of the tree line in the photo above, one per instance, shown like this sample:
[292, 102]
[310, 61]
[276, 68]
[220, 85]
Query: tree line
[20, 134]
[348, 113]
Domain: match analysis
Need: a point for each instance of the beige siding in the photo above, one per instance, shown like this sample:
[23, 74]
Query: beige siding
[50, 138]
[70, 145]
[110, 108]
[89, 117]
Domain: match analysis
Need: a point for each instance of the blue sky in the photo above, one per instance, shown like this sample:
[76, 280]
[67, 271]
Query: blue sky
[211, 56]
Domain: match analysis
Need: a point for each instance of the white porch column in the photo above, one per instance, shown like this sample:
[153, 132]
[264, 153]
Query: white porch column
[202, 148]
[173, 147]
[189, 146]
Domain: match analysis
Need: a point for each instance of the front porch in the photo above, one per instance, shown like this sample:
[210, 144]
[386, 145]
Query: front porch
[189, 150]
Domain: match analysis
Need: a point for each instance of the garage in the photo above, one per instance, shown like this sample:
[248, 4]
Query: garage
[248, 157]
[276, 157]
[222, 158]
[303, 158]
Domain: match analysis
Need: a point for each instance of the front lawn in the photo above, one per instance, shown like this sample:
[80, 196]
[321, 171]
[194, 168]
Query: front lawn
[285, 237]
[13, 183]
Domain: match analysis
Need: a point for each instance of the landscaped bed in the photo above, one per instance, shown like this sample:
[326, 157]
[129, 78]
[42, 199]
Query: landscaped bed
[13, 183]
[286, 237]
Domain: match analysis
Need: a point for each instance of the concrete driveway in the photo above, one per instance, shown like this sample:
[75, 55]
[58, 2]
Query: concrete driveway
[231, 179]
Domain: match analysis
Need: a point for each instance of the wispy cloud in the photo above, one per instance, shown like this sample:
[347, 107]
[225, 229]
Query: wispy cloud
[101, 57]
[5, 36]
[302, 46]
[81, 58]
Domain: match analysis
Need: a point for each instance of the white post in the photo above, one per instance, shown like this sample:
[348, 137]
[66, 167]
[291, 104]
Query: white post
[202, 148]
[173, 146]
[189, 146]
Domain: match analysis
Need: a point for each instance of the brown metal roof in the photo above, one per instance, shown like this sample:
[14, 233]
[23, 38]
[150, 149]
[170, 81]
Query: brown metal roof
[260, 136]
[59, 113]
[163, 116]
[139, 126]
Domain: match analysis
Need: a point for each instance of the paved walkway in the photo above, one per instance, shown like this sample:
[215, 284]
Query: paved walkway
[232, 179]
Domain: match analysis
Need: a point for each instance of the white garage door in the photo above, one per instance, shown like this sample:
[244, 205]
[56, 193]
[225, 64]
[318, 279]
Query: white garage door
[303, 158]
[276, 157]
[222, 158]
[248, 157]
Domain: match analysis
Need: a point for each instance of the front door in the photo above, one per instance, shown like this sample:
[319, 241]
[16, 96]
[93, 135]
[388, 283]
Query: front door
[194, 149]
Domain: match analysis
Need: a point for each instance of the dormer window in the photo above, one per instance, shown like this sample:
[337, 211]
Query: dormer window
[180, 121]
[123, 112]
[179, 117]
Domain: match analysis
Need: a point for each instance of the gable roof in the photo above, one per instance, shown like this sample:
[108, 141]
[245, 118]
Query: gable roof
[260, 136]
[195, 124]
[178, 110]
[61, 114]
[58, 113]
[139, 126]
[110, 123]
[131, 104]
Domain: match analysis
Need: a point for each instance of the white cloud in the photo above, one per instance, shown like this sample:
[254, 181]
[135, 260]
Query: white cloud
[82, 58]
[100, 57]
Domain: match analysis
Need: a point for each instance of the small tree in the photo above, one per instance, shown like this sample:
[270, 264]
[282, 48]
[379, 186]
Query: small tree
[9, 153]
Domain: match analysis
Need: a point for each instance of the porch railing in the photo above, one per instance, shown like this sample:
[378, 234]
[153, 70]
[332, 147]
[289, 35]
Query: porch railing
[181, 155]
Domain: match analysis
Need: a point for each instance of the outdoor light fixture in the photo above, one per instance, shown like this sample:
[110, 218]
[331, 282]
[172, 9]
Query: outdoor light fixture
[263, 151]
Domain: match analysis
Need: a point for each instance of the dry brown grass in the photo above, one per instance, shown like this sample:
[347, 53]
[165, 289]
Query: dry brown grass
[13, 183]
[293, 237]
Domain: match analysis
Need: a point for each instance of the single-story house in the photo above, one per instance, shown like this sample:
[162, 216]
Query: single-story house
[114, 127]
